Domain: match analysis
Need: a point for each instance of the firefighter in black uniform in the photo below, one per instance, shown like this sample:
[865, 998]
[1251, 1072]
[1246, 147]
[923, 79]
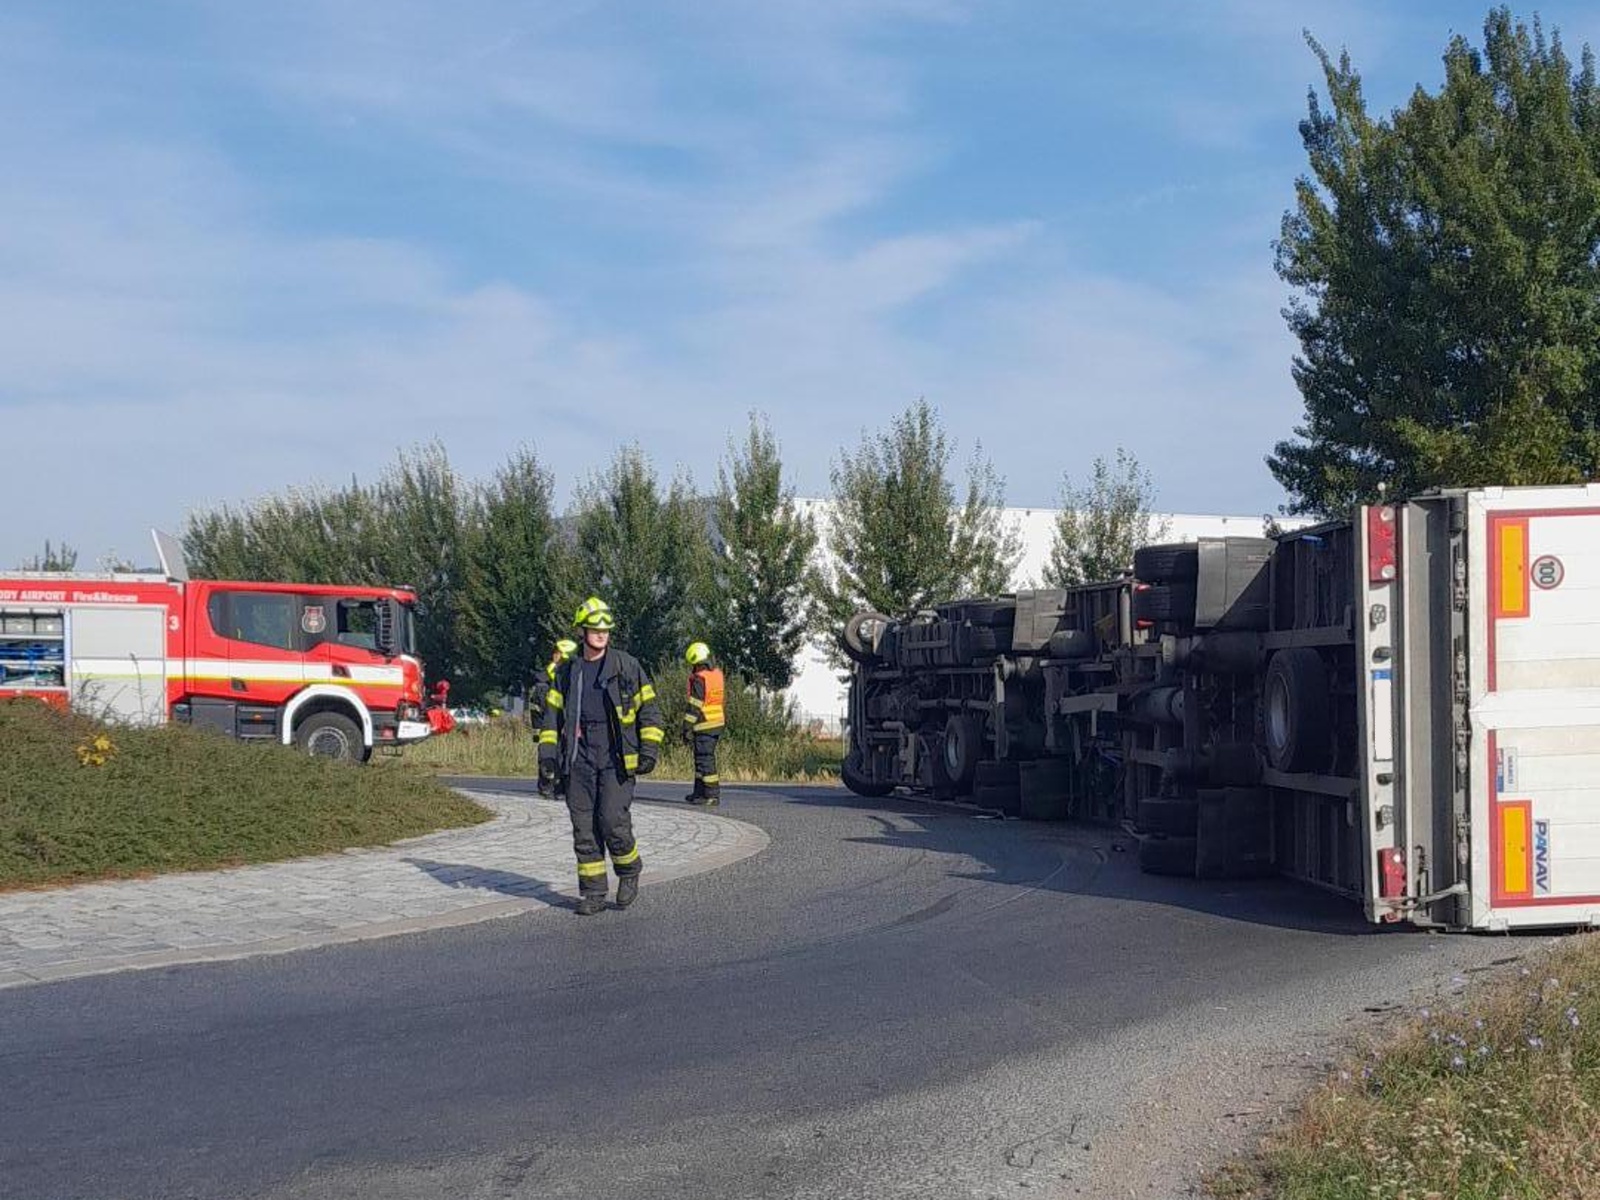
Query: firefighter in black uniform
[538, 690]
[703, 721]
[601, 729]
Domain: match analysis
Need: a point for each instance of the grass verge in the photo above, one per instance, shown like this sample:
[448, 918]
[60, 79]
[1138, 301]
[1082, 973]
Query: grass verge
[505, 747]
[1498, 1099]
[81, 801]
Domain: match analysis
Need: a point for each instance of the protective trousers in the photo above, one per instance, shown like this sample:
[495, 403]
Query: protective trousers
[707, 782]
[599, 804]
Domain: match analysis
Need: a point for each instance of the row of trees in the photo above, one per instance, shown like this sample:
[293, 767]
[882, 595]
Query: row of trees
[499, 571]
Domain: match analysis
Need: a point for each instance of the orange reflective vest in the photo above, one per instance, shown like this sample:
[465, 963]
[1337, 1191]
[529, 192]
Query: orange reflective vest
[706, 690]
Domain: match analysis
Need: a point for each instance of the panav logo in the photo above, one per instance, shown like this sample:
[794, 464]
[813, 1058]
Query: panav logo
[1541, 857]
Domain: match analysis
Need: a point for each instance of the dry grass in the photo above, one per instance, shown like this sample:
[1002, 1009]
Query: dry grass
[80, 800]
[505, 747]
[1498, 1099]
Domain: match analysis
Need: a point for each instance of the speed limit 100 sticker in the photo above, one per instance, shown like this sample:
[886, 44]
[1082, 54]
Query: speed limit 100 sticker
[1547, 572]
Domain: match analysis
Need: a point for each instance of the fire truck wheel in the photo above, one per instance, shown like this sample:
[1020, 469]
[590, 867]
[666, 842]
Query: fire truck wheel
[1166, 564]
[1167, 855]
[330, 735]
[850, 775]
[1294, 710]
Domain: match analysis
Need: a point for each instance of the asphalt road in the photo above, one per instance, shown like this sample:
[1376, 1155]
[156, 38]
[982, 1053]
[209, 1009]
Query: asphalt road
[892, 1000]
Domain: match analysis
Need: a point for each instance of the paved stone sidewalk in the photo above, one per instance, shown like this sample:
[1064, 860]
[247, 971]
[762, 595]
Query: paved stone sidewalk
[520, 861]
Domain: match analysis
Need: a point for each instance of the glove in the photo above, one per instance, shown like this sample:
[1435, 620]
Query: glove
[647, 761]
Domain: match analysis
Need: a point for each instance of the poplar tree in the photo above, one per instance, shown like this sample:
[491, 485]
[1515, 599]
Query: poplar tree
[1102, 522]
[760, 563]
[899, 537]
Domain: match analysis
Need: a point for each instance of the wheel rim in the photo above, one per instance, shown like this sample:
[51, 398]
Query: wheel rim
[952, 751]
[328, 742]
[1277, 716]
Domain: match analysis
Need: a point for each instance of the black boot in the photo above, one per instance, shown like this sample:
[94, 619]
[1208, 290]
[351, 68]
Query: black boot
[627, 890]
[590, 903]
[697, 794]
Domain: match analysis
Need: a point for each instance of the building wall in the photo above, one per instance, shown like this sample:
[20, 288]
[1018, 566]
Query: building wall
[818, 690]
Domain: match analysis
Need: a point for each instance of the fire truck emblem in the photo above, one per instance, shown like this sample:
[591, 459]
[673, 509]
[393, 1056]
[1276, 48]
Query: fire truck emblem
[313, 619]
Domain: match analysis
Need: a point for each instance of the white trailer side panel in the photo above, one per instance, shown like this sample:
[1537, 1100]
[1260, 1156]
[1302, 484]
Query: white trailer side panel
[1534, 633]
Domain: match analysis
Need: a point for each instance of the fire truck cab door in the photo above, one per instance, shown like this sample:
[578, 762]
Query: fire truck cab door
[260, 631]
[117, 668]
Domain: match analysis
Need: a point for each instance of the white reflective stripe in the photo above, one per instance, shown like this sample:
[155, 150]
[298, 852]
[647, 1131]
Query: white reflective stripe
[264, 670]
[126, 667]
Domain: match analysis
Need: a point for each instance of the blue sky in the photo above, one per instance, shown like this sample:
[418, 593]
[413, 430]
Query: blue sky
[247, 247]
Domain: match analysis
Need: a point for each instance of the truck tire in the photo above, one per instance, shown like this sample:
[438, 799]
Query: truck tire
[850, 775]
[1177, 818]
[1071, 644]
[1177, 563]
[989, 614]
[330, 735]
[1294, 711]
[1166, 602]
[1167, 855]
[988, 641]
[997, 784]
[962, 749]
[857, 641]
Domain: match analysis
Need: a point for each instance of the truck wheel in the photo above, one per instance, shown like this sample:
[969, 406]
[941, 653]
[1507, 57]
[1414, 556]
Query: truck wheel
[850, 775]
[1167, 855]
[963, 747]
[1166, 564]
[860, 637]
[330, 735]
[1294, 710]
[1175, 817]
[985, 613]
[1165, 602]
[1071, 644]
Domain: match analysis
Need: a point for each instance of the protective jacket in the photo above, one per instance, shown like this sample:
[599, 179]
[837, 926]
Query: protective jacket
[707, 689]
[632, 713]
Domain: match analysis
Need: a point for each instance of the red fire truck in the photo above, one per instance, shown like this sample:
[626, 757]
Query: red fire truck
[330, 669]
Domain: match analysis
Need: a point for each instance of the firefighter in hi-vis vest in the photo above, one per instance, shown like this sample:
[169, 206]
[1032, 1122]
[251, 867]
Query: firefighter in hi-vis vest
[702, 723]
[538, 690]
[601, 729]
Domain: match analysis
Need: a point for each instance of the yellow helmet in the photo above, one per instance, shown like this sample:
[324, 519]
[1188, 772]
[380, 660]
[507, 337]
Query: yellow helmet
[566, 647]
[697, 653]
[594, 613]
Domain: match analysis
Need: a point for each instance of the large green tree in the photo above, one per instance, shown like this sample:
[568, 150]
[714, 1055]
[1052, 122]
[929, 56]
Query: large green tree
[517, 577]
[644, 550]
[1102, 522]
[899, 536]
[1447, 265]
[760, 563]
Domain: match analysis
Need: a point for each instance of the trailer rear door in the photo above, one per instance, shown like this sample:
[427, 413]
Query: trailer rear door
[1534, 677]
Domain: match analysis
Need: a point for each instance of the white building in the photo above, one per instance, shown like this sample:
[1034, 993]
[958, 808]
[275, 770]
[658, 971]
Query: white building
[818, 691]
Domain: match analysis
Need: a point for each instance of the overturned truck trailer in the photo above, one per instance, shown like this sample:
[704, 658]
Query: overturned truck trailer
[1403, 707]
